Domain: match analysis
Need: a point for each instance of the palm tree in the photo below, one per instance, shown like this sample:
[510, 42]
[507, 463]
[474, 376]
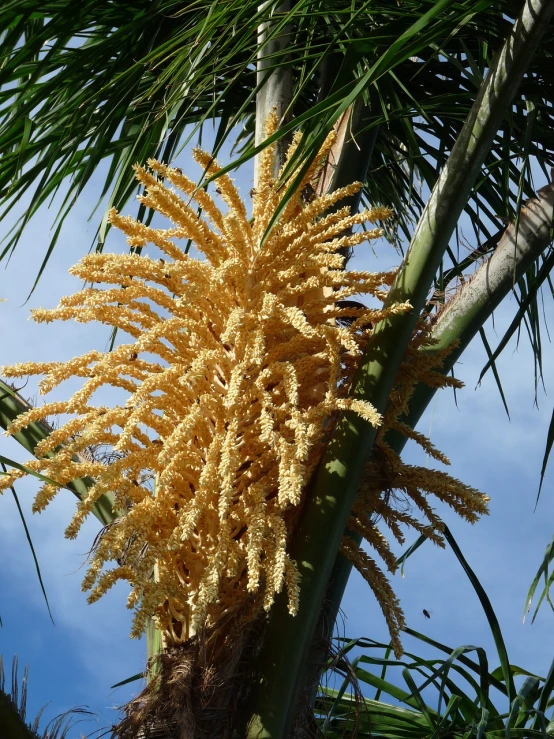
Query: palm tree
[452, 94]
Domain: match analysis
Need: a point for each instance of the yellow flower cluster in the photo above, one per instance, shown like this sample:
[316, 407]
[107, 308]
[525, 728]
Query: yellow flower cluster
[393, 491]
[236, 362]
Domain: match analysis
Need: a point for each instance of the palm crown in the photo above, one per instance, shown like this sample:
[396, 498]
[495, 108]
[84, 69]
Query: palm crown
[450, 97]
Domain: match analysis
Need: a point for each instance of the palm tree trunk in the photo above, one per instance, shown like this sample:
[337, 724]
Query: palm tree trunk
[280, 667]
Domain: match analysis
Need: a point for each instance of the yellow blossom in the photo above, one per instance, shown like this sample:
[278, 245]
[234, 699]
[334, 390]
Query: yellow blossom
[232, 365]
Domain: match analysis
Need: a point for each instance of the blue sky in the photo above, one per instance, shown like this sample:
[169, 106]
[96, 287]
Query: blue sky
[75, 662]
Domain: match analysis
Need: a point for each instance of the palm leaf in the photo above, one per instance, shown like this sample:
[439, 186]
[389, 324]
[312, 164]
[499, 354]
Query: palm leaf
[445, 696]
[542, 573]
[13, 404]
[548, 449]
[80, 84]
[13, 709]
[31, 546]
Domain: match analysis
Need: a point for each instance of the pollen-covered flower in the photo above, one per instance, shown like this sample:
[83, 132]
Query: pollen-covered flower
[233, 366]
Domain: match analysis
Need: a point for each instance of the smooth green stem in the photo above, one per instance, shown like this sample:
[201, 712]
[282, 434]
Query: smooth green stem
[279, 669]
[11, 406]
[476, 300]
[154, 647]
[461, 320]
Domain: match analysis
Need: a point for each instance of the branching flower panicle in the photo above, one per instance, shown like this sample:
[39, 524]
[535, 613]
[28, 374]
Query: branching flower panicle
[234, 365]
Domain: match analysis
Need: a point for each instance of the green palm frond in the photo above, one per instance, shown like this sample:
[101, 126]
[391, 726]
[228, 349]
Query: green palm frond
[85, 82]
[31, 545]
[13, 706]
[547, 577]
[13, 709]
[438, 696]
[12, 404]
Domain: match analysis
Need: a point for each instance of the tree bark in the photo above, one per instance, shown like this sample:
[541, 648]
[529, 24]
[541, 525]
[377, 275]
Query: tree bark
[274, 82]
